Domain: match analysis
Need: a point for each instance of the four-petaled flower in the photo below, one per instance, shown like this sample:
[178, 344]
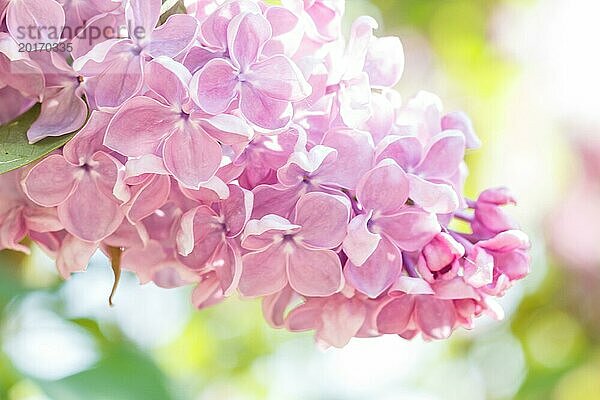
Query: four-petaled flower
[298, 252]
[265, 88]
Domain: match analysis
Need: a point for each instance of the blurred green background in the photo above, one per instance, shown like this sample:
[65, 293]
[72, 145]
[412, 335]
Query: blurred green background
[509, 64]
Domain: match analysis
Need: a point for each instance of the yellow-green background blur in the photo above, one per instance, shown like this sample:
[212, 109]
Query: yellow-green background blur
[526, 71]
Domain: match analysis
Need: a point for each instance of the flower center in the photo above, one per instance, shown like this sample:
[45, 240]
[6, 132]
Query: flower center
[136, 50]
[372, 225]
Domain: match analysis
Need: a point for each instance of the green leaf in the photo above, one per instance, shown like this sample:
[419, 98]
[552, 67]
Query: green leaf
[167, 5]
[125, 373]
[11, 284]
[15, 149]
[169, 8]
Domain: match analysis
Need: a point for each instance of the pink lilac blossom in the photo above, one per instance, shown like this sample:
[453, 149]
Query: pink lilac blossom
[21, 80]
[248, 148]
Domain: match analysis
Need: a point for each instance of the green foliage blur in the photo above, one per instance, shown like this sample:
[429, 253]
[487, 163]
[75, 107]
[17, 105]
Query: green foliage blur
[458, 33]
[216, 349]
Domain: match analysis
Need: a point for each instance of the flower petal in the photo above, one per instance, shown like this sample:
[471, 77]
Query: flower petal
[122, 78]
[323, 218]
[88, 214]
[360, 243]
[410, 285]
[479, 267]
[443, 156]
[435, 317]
[139, 127]
[237, 209]
[42, 219]
[394, 315]
[213, 88]
[274, 307]
[148, 164]
[229, 268]
[63, 112]
[260, 234]
[385, 61]
[358, 44]
[274, 199]
[173, 37]
[279, 78]
[105, 172]
[246, 35]
[85, 40]
[143, 14]
[263, 272]
[207, 247]
[169, 79]
[305, 317]
[455, 289]
[94, 61]
[355, 101]
[214, 26]
[405, 150]
[149, 197]
[303, 163]
[438, 198]
[384, 188]
[383, 116]
[12, 104]
[18, 73]
[288, 31]
[315, 273]
[262, 110]
[355, 156]
[47, 14]
[74, 255]
[12, 231]
[3, 5]
[192, 156]
[88, 140]
[51, 181]
[460, 121]
[506, 241]
[208, 292]
[228, 129]
[198, 56]
[378, 273]
[341, 321]
[410, 229]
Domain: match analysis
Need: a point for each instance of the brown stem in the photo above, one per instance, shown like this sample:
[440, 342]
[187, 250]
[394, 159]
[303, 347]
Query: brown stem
[115, 261]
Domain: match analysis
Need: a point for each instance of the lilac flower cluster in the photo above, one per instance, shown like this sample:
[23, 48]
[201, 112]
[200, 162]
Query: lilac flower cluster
[246, 147]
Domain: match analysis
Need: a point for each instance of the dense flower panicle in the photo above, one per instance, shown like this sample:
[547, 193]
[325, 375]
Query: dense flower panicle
[246, 147]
